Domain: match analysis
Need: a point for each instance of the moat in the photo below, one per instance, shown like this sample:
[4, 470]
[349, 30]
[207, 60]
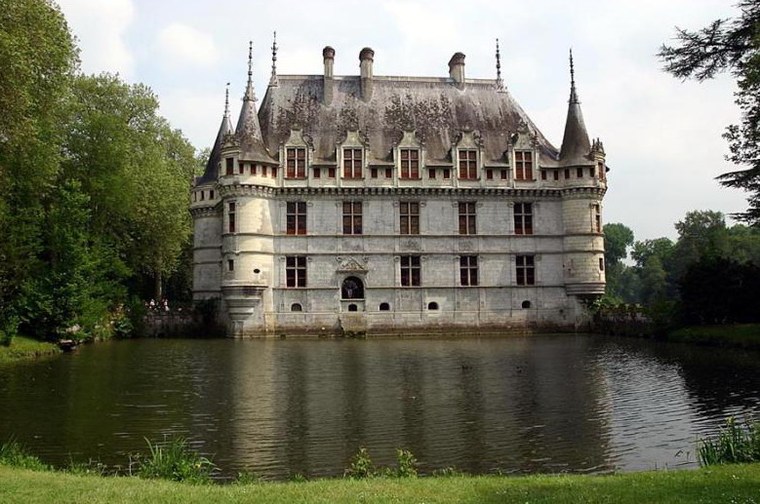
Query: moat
[283, 407]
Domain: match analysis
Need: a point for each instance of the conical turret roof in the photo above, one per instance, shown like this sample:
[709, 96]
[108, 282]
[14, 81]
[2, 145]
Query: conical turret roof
[575, 143]
[248, 130]
[212, 166]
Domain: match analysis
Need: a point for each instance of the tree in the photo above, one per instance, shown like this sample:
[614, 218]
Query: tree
[38, 59]
[729, 45]
[617, 239]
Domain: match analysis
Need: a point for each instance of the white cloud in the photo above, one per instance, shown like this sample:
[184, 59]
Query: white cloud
[188, 45]
[101, 29]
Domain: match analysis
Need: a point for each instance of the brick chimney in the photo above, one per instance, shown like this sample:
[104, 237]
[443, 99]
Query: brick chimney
[456, 69]
[366, 58]
[328, 53]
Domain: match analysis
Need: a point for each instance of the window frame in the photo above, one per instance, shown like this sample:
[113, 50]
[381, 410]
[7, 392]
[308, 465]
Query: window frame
[409, 217]
[295, 162]
[353, 161]
[523, 218]
[525, 270]
[524, 165]
[231, 212]
[410, 269]
[295, 271]
[352, 217]
[468, 164]
[468, 271]
[409, 163]
[468, 218]
[295, 218]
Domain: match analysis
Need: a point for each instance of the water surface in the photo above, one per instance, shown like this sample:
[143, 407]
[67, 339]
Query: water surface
[567, 403]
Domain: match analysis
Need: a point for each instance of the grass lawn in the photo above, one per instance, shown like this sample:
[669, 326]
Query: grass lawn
[23, 348]
[728, 483]
[736, 335]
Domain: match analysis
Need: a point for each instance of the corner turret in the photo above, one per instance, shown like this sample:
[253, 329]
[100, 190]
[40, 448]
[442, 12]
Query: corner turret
[575, 143]
[248, 131]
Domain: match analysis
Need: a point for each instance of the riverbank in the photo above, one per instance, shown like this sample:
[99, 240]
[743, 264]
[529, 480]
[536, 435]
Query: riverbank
[737, 336]
[23, 348]
[728, 483]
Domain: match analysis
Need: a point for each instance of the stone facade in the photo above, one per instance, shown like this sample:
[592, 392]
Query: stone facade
[379, 205]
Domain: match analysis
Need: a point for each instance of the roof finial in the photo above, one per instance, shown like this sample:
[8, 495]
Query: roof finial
[249, 93]
[573, 94]
[227, 101]
[499, 81]
[273, 78]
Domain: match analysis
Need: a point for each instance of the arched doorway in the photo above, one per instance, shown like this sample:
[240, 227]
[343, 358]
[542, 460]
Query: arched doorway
[352, 288]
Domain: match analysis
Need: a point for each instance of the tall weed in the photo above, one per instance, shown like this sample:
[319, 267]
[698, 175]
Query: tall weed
[174, 460]
[735, 443]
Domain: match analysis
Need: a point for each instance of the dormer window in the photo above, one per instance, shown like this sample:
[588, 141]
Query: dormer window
[523, 165]
[295, 159]
[468, 164]
[229, 166]
[352, 163]
[410, 163]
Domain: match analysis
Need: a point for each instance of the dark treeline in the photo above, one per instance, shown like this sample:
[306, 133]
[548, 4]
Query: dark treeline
[709, 275]
[93, 187]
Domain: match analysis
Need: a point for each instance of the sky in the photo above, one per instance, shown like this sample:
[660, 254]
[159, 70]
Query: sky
[662, 135]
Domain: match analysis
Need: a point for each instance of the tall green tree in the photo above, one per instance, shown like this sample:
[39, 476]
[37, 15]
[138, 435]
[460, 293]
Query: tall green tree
[38, 59]
[617, 239]
[729, 45]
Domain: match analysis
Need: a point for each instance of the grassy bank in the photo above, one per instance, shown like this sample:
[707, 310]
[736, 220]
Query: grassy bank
[738, 336]
[23, 348]
[729, 483]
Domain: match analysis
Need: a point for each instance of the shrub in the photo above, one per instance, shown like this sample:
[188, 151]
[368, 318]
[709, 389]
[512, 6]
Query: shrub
[173, 460]
[15, 455]
[734, 444]
[407, 464]
[361, 466]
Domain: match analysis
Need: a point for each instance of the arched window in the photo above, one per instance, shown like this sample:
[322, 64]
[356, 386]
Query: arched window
[432, 305]
[352, 307]
[296, 307]
[526, 304]
[385, 307]
[352, 288]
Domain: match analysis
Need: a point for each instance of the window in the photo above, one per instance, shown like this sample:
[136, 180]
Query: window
[489, 174]
[410, 271]
[254, 169]
[296, 217]
[523, 165]
[526, 304]
[556, 174]
[331, 173]
[523, 218]
[600, 166]
[468, 165]
[295, 162]
[211, 194]
[543, 174]
[203, 195]
[352, 288]
[230, 265]
[410, 164]
[504, 174]
[467, 217]
[409, 213]
[241, 168]
[389, 173]
[601, 264]
[317, 172]
[296, 307]
[597, 218]
[432, 305]
[447, 173]
[373, 172]
[468, 270]
[567, 173]
[591, 171]
[385, 306]
[352, 217]
[431, 173]
[526, 270]
[579, 172]
[231, 216]
[295, 271]
[230, 166]
[352, 163]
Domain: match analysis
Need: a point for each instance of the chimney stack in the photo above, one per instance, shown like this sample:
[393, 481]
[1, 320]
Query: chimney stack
[328, 53]
[456, 69]
[366, 58]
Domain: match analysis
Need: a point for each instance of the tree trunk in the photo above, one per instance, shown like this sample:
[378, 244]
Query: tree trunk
[158, 288]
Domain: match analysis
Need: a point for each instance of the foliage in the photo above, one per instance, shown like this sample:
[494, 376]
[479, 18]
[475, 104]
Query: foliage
[173, 460]
[733, 46]
[617, 239]
[737, 335]
[406, 464]
[361, 465]
[734, 444]
[15, 455]
[24, 348]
